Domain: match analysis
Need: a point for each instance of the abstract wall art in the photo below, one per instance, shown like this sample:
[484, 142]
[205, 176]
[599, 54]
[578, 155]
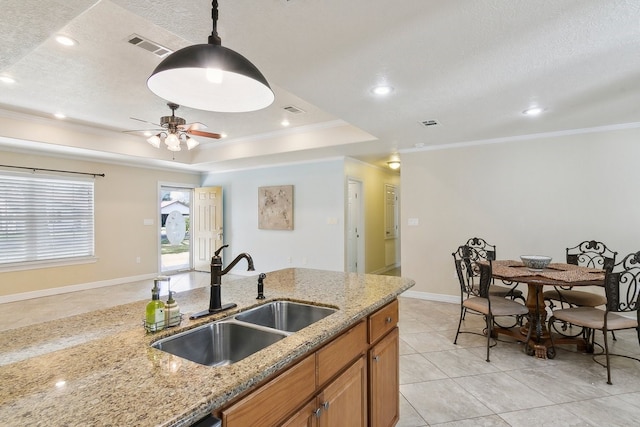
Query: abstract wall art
[275, 207]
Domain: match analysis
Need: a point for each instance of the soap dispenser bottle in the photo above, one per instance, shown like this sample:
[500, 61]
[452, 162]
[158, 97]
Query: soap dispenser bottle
[155, 317]
[172, 311]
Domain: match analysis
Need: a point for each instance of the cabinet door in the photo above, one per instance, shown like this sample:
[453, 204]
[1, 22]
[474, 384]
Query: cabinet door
[384, 388]
[344, 401]
[306, 417]
[274, 400]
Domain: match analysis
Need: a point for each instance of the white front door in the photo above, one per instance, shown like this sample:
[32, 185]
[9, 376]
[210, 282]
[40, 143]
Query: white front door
[206, 226]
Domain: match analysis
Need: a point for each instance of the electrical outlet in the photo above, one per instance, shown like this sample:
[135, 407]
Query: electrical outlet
[290, 260]
[138, 260]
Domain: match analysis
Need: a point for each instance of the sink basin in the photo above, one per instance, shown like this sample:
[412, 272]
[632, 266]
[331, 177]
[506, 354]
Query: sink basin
[219, 343]
[285, 315]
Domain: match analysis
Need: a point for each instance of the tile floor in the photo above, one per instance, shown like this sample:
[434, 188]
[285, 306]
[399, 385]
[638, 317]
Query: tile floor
[441, 384]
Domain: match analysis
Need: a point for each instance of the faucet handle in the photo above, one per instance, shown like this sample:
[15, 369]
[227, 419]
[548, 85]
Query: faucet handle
[217, 252]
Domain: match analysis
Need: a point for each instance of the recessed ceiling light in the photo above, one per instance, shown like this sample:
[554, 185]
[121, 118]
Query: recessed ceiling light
[382, 90]
[7, 79]
[65, 40]
[223, 135]
[533, 111]
[59, 116]
[285, 123]
[148, 133]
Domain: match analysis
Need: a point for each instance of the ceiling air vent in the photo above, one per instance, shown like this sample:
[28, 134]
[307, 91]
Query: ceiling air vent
[150, 46]
[428, 123]
[294, 110]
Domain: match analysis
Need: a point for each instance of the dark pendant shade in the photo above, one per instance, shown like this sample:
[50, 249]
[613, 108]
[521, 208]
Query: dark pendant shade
[185, 78]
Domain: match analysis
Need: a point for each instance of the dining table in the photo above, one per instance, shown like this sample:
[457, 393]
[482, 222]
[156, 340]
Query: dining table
[555, 274]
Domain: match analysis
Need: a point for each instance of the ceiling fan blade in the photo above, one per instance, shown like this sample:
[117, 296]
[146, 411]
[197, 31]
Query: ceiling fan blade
[204, 134]
[192, 126]
[138, 131]
[144, 121]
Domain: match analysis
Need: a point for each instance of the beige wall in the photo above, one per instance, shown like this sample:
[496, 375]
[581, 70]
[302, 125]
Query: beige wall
[123, 199]
[373, 180]
[534, 196]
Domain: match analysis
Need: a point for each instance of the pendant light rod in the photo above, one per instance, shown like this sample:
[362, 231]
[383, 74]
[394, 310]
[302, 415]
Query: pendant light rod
[211, 77]
[214, 38]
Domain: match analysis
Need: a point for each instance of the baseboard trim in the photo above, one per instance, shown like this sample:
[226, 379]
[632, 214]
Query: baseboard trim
[432, 297]
[73, 288]
[385, 269]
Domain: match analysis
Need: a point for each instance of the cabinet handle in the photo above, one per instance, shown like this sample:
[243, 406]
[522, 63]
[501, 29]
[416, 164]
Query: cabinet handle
[376, 358]
[388, 319]
[317, 412]
[325, 405]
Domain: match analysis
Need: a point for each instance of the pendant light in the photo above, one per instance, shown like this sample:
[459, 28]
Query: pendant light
[211, 77]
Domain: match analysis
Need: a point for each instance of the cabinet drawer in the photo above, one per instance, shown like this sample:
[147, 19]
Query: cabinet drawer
[382, 321]
[280, 396]
[335, 356]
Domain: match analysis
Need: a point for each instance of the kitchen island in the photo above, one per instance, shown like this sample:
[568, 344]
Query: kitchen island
[99, 368]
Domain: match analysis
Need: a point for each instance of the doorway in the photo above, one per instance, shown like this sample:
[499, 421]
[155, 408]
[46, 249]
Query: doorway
[175, 221]
[355, 228]
[190, 227]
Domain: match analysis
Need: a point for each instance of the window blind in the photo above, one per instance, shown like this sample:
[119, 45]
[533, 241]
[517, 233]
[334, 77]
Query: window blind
[45, 218]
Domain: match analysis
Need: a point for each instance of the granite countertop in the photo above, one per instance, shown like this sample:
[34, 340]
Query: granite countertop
[99, 369]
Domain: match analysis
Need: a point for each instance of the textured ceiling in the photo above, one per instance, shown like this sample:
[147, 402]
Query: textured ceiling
[472, 66]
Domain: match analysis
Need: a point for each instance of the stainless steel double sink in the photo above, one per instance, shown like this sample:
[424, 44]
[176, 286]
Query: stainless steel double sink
[232, 339]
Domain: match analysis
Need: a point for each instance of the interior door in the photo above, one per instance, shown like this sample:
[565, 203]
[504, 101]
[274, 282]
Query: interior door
[207, 225]
[355, 252]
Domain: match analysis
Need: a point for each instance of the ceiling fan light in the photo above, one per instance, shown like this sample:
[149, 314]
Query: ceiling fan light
[192, 143]
[154, 140]
[173, 148]
[172, 141]
[394, 164]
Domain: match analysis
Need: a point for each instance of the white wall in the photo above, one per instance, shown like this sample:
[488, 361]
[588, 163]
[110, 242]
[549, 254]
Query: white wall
[534, 196]
[318, 198]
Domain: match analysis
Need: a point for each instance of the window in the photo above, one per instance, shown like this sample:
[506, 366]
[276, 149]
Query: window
[45, 219]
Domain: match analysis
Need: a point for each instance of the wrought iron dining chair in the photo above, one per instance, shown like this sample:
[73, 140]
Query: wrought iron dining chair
[488, 253]
[589, 253]
[474, 293]
[622, 288]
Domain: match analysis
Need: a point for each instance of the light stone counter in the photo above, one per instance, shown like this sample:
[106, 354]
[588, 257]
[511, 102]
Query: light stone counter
[98, 368]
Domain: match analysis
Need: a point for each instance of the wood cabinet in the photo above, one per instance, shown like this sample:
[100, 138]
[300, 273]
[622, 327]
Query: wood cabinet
[353, 381]
[384, 381]
[384, 368]
[342, 402]
[281, 395]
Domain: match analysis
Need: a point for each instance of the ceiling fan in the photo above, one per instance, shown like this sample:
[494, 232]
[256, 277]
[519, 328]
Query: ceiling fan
[173, 130]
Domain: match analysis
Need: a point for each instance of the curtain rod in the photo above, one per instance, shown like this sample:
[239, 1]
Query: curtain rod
[53, 170]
